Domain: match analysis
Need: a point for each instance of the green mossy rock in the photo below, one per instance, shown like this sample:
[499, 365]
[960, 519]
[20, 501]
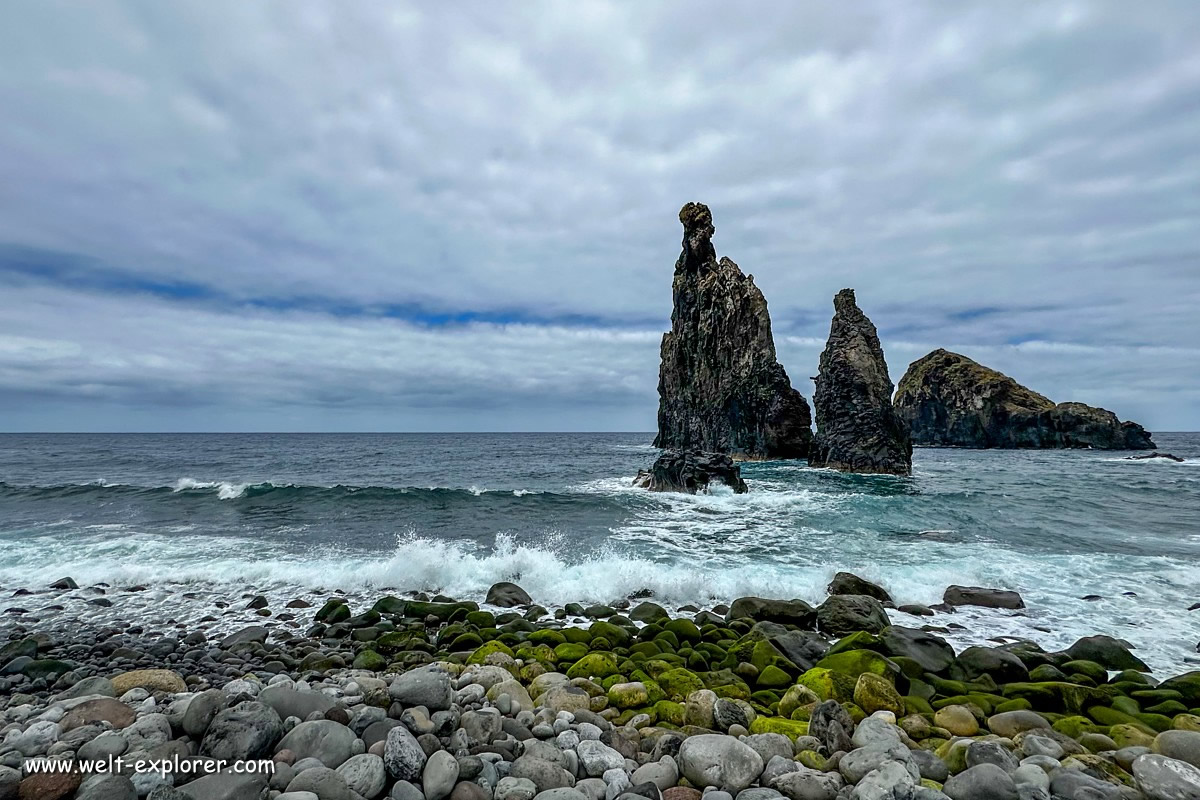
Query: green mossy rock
[685, 629]
[668, 641]
[1188, 686]
[1187, 722]
[1089, 668]
[645, 649]
[679, 683]
[628, 695]
[1156, 722]
[812, 759]
[481, 619]
[1130, 736]
[370, 660]
[917, 705]
[388, 604]
[594, 665]
[1018, 704]
[853, 663]
[469, 641]
[538, 652]
[1126, 705]
[576, 635]
[827, 684]
[443, 611]
[1070, 698]
[671, 712]
[333, 611]
[859, 640]
[796, 697]
[568, 651]
[1168, 708]
[613, 633]
[774, 678]
[546, 636]
[649, 612]
[875, 693]
[788, 727]
[1110, 716]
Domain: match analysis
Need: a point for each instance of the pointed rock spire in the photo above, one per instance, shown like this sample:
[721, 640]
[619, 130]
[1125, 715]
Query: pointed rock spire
[857, 428]
[720, 386]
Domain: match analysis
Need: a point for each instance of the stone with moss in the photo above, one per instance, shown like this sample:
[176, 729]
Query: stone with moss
[628, 695]
[679, 683]
[795, 697]
[615, 634]
[370, 660]
[1186, 722]
[875, 693]
[788, 727]
[773, 678]
[333, 611]
[568, 651]
[827, 684]
[594, 665]
[853, 663]
[1130, 736]
[670, 711]
[859, 640]
[481, 653]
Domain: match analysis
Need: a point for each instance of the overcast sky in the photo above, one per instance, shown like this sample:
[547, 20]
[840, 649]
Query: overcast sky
[450, 216]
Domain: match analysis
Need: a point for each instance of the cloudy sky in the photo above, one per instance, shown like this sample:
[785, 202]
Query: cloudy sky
[385, 216]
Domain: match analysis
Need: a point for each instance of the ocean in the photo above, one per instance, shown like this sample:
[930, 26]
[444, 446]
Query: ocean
[290, 514]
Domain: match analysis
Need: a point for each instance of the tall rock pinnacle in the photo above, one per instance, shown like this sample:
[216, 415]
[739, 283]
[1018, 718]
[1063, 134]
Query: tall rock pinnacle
[857, 428]
[720, 387]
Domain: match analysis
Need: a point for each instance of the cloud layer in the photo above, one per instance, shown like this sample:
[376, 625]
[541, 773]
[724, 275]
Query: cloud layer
[303, 215]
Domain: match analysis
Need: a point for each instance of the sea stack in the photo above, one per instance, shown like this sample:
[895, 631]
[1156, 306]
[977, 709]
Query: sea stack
[948, 400]
[857, 428]
[720, 386]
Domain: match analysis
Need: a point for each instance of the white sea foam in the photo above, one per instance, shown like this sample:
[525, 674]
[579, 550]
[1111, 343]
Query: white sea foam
[226, 490]
[679, 572]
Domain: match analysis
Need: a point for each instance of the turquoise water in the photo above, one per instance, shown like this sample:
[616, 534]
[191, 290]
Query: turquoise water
[555, 512]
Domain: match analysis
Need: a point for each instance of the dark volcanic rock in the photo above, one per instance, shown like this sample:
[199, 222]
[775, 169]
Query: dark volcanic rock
[720, 387]
[857, 428]
[947, 399]
[676, 471]
[1156, 454]
[979, 596]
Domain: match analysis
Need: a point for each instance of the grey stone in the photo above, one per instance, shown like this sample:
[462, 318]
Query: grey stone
[721, 761]
[544, 774]
[225, 786]
[663, 773]
[1163, 778]
[104, 787]
[1180, 745]
[324, 782]
[439, 776]
[248, 731]
[325, 740]
[809, 784]
[597, 758]
[402, 755]
[990, 753]
[510, 788]
[288, 702]
[882, 782]
[428, 686]
[200, 712]
[983, 782]
[364, 774]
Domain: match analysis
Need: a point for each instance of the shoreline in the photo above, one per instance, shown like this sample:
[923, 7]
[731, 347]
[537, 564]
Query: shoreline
[733, 680]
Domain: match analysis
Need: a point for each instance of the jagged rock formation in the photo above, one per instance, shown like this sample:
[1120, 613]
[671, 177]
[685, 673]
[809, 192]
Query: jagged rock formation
[857, 428]
[946, 399]
[720, 387]
[691, 472]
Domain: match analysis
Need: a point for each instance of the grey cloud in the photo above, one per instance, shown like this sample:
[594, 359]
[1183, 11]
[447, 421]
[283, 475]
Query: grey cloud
[1036, 159]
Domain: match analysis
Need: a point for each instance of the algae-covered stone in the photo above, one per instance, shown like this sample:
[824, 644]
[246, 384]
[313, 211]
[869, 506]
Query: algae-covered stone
[875, 693]
[853, 663]
[481, 654]
[788, 727]
[773, 677]
[796, 697]
[615, 634]
[569, 651]
[628, 695]
[370, 660]
[594, 665]
[684, 629]
[649, 612]
[678, 683]
[670, 712]
[827, 684]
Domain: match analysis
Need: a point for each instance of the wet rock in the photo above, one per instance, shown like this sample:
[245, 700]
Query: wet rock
[857, 428]
[720, 386]
[978, 596]
[849, 583]
[1106, 651]
[1162, 778]
[947, 399]
[843, 614]
[237, 734]
[507, 595]
[982, 782]
[691, 473]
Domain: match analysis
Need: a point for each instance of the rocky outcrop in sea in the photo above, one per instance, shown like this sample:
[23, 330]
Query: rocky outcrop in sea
[418, 698]
[677, 471]
[720, 386]
[946, 399]
[857, 428]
